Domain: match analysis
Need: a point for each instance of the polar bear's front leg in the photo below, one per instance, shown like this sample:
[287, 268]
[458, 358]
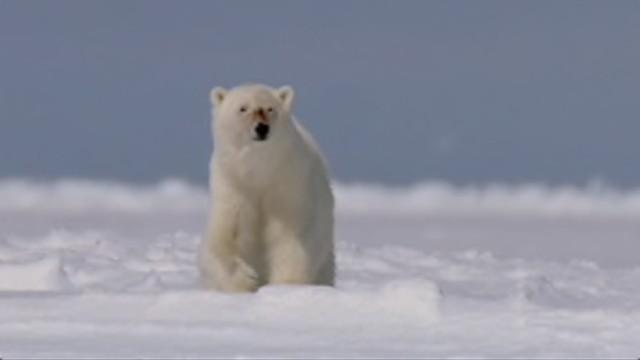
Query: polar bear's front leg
[224, 265]
[289, 261]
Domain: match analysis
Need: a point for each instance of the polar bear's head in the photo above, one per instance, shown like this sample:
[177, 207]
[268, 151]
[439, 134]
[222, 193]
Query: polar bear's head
[251, 113]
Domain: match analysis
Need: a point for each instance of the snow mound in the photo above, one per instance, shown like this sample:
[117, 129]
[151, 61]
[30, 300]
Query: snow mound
[43, 274]
[528, 199]
[177, 196]
[400, 300]
[75, 196]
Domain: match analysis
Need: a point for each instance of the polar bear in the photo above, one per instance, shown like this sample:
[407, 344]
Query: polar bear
[271, 220]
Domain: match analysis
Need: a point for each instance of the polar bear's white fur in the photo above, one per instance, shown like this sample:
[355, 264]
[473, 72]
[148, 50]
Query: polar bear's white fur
[271, 221]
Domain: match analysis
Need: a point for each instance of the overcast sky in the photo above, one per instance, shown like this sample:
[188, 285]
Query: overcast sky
[395, 91]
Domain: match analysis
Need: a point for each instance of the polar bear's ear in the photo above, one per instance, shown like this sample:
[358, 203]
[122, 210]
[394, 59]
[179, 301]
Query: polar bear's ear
[217, 95]
[285, 94]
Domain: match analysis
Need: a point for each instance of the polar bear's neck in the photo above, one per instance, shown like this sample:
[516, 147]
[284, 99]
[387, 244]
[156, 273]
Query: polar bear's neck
[259, 164]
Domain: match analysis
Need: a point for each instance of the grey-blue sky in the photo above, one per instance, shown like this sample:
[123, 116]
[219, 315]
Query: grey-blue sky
[395, 91]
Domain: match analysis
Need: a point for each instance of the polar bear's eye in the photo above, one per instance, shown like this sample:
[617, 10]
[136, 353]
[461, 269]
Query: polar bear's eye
[243, 109]
[270, 110]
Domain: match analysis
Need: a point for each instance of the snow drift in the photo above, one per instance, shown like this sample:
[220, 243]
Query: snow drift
[425, 198]
[102, 269]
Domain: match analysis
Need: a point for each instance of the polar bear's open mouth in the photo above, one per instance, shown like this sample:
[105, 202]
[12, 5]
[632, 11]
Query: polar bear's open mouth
[262, 131]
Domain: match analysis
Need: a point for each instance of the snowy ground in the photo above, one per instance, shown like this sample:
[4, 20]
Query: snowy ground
[94, 269]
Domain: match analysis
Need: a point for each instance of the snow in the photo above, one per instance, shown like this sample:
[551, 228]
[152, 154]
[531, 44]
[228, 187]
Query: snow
[104, 269]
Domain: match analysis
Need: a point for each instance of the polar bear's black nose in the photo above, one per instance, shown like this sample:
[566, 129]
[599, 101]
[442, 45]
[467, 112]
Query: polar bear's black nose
[262, 130]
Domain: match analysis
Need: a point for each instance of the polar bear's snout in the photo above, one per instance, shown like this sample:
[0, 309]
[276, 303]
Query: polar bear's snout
[262, 127]
[260, 115]
[262, 131]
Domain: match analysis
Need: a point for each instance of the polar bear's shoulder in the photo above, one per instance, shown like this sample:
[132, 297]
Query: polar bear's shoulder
[306, 136]
[312, 145]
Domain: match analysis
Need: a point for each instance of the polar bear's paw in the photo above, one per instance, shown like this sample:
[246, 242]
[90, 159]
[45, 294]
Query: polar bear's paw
[243, 278]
